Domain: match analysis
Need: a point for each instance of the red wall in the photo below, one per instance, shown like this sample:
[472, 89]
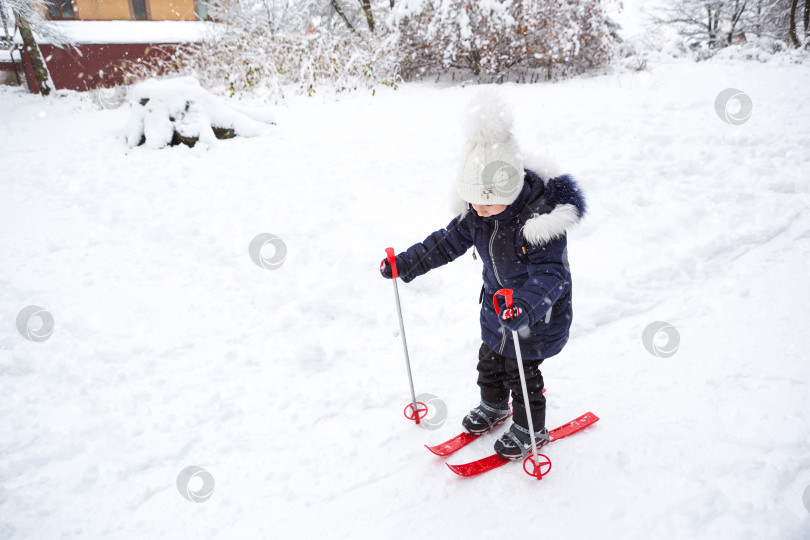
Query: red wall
[79, 70]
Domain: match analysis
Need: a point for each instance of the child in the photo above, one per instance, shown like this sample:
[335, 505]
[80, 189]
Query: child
[517, 221]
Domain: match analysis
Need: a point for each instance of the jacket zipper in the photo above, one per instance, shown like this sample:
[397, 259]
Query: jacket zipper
[492, 257]
[497, 278]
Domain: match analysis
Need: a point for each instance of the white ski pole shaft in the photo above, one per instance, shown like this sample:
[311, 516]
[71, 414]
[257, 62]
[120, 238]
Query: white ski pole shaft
[507, 294]
[525, 397]
[392, 260]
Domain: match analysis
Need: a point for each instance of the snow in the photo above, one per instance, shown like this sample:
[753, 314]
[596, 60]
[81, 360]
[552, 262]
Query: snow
[182, 105]
[172, 349]
[84, 32]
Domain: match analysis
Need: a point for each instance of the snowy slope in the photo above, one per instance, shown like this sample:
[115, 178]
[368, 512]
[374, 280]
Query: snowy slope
[172, 349]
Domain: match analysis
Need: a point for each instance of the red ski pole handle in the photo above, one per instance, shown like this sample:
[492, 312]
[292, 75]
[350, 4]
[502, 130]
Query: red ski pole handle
[507, 294]
[393, 261]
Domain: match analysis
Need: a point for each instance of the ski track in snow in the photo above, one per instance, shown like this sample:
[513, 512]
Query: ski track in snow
[171, 348]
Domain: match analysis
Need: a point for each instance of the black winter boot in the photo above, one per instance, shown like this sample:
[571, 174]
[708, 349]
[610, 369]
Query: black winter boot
[486, 416]
[515, 443]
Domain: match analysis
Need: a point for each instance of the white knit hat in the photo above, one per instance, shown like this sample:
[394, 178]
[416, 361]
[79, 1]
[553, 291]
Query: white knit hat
[491, 168]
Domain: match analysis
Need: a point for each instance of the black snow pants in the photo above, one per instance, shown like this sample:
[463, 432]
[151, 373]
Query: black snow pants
[498, 375]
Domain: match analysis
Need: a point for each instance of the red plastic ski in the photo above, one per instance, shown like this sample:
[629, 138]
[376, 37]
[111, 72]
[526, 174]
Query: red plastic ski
[456, 443]
[494, 461]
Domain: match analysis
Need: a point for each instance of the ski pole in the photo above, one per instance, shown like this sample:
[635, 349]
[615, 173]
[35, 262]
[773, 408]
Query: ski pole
[392, 260]
[507, 294]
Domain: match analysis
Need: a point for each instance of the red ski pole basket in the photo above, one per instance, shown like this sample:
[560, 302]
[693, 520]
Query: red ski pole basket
[536, 469]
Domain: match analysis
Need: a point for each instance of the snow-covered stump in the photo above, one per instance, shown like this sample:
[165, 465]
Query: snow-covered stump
[180, 111]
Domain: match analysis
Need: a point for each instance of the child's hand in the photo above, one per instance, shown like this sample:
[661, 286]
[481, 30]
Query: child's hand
[514, 318]
[386, 270]
[402, 270]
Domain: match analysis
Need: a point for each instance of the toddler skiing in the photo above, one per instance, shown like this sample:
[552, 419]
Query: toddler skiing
[516, 219]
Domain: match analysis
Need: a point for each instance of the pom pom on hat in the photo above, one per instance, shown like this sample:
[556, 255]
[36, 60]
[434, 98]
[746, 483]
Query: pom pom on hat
[491, 168]
[488, 120]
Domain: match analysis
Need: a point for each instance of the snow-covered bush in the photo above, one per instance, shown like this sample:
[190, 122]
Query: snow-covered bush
[326, 58]
[276, 47]
[325, 47]
[762, 49]
[180, 111]
[254, 60]
[495, 40]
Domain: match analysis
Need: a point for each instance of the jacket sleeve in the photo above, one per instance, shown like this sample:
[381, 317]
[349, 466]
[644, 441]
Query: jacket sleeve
[548, 277]
[438, 249]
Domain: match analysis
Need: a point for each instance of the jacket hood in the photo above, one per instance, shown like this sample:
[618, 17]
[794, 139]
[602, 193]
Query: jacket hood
[548, 205]
[554, 206]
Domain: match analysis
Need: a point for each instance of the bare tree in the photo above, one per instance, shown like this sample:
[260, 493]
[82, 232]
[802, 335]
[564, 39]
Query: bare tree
[29, 17]
[794, 5]
[369, 17]
[342, 15]
[807, 21]
[793, 18]
[737, 10]
[716, 23]
[32, 48]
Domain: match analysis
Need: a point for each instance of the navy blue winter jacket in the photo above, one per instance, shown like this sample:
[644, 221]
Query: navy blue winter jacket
[524, 249]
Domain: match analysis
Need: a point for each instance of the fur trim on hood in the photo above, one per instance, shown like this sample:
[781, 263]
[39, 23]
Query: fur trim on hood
[563, 196]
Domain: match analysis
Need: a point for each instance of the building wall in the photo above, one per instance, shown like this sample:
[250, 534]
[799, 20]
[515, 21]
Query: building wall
[90, 66]
[159, 10]
[102, 9]
[172, 10]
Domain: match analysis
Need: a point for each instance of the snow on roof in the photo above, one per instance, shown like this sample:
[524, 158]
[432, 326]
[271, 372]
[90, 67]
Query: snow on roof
[83, 32]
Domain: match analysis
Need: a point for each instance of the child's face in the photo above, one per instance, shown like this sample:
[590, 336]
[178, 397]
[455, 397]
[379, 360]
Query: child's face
[486, 210]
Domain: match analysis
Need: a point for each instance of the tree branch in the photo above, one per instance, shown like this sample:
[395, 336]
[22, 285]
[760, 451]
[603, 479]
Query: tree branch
[342, 15]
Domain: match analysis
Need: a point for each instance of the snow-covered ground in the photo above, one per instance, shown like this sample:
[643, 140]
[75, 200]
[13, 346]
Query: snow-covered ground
[171, 348]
